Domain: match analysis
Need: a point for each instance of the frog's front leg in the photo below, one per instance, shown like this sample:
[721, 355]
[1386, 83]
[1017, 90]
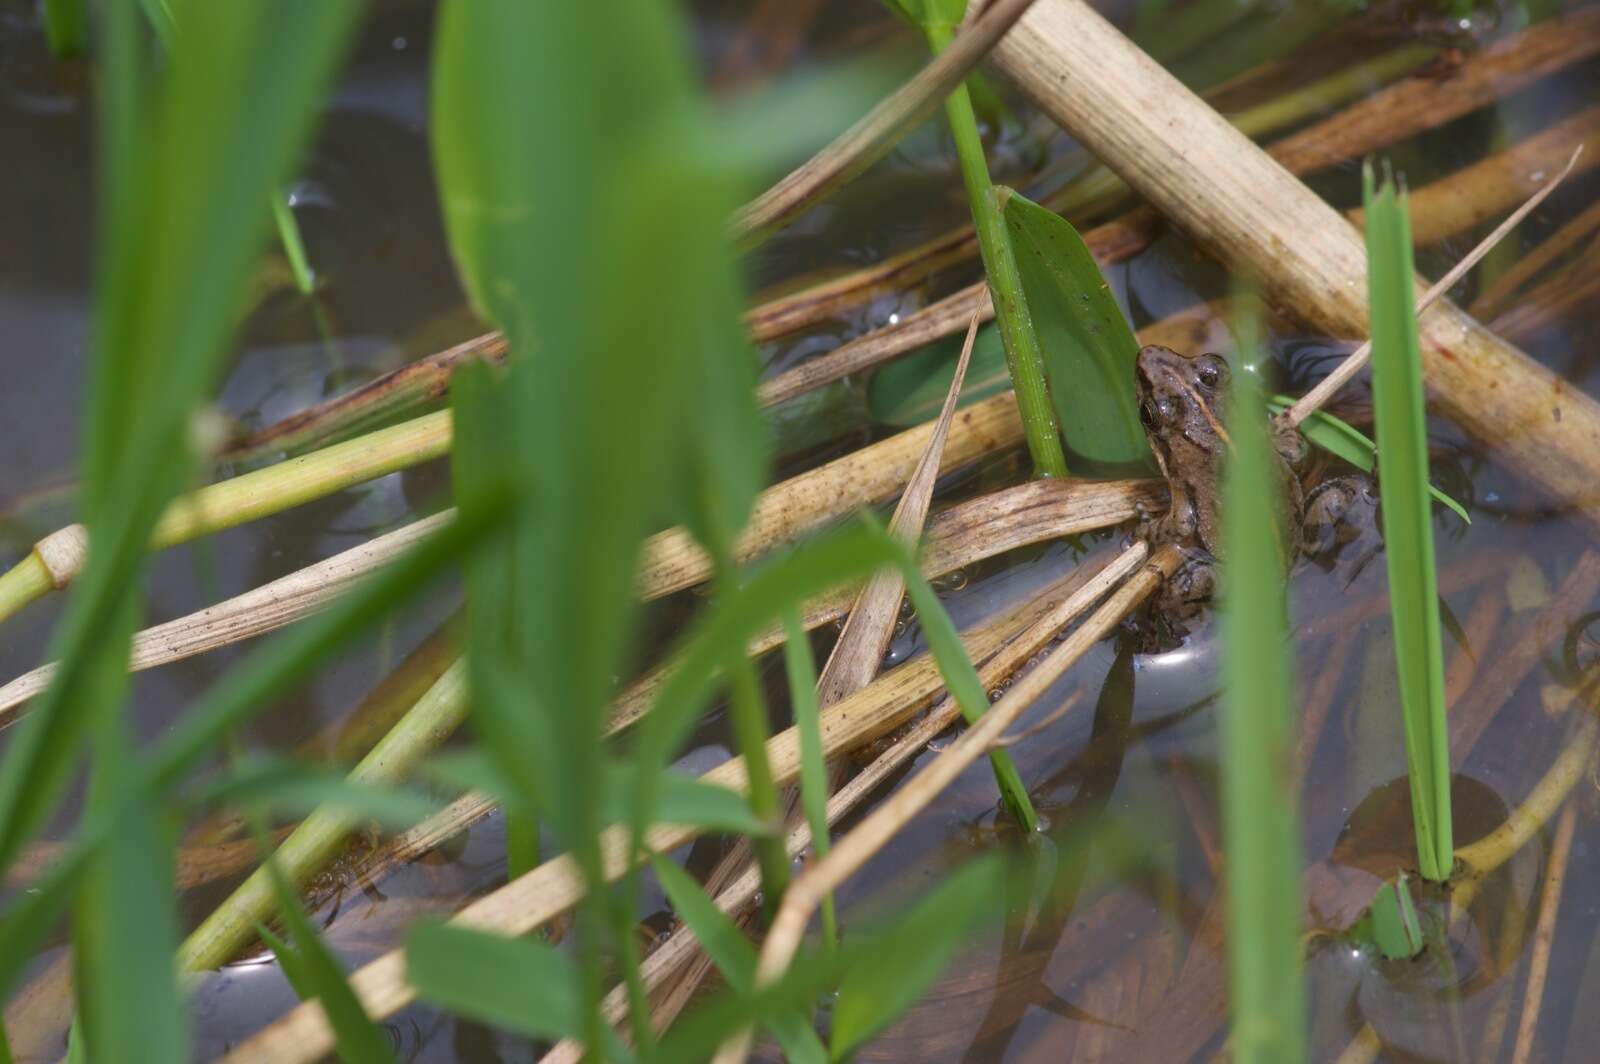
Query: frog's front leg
[1338, 512]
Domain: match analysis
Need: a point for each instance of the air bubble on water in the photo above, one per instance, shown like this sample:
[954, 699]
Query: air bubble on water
[894, 318]
[398, 44]
[994, 696]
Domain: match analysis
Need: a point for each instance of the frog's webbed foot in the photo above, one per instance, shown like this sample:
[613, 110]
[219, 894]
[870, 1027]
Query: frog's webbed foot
[1339, 512]
[1177, 605]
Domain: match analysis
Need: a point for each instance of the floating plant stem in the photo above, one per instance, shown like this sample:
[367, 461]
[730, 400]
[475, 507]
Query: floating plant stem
[1408, 520]
[294, 248]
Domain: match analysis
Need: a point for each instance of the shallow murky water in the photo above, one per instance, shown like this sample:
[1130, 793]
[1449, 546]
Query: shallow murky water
[1126, 965]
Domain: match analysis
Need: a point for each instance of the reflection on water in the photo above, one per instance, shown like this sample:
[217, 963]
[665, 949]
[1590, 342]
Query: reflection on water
[1119, 955]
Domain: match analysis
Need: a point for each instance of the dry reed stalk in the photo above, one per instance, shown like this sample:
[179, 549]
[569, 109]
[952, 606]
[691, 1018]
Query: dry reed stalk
[871, 138]
[1346, 371]
[854, 849]
[1487, 189]
[1545, 935]
[1571, 289]
[1493, 298]
[1410, 106]
[263, 609]
[740, 893]
[552, 888]
[857, 655]
[1259, 219]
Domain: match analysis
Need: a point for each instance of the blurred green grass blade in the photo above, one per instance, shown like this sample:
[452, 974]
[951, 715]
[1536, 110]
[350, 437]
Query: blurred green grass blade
[315, 974]
[1261, 829]
[944, 642]
[696, 1036]
[800, 668]
[1089, 350]
[911, 390]
[684, 799]
[1343, 440]
[278, 785]
[831, 560]
[294, 247]
[721, 938]
[891, 968]
[125, 930]
[178, 245]
[733, 954]
[1401, 420]
[66, 26]
[521, 985]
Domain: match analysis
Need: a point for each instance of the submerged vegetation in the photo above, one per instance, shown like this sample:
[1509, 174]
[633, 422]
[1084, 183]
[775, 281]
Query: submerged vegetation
[682, 848]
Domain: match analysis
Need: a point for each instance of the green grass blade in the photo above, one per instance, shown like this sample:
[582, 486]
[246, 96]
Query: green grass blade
[179, 243]
[944, 642]
[1401, 420]
[892, 967]
[1259, 797]
[519, 985]
[315, 974]
[719, 936]
[1343, 440]
[1089, 350]
[800, 668]
[66, 26]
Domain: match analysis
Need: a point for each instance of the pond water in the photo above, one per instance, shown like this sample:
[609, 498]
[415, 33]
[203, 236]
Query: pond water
[1126, 963]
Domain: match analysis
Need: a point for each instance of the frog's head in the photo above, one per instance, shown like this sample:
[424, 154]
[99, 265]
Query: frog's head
[1181, 398]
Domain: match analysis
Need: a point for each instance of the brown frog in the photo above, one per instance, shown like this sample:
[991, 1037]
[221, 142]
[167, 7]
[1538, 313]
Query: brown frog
[1181, 402]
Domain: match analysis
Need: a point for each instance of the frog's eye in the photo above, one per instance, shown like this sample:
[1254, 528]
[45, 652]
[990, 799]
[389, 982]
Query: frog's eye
[1211, 371]
[1147, 416]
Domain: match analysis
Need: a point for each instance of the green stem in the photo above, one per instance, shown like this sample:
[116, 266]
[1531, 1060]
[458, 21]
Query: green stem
[1005, 283]
[294, 248]
[747, 712]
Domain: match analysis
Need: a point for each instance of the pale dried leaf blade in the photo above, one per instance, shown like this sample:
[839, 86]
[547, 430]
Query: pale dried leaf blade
[866, 633]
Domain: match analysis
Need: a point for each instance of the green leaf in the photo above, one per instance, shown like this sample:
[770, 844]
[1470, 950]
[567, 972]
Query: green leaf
[800, 667]
[1401, 418]
[281, 785]
[1343, 440]
[721, 938]
[1089, 350]
[520, 985]
[889, 969]
[1391, 924]
[314, 973]
[1261, 832]
[911, 390]
[684, 799]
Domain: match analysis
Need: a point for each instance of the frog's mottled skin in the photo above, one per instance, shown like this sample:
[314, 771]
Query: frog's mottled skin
[1181, 401]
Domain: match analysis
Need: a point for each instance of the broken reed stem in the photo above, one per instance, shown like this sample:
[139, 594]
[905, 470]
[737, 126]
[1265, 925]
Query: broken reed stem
[554, 887]
[1065, 606]
[875, 134]
[1345, 371]
[1404, 109]
[854, 849]
[1544, 936]
[1258, 219]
